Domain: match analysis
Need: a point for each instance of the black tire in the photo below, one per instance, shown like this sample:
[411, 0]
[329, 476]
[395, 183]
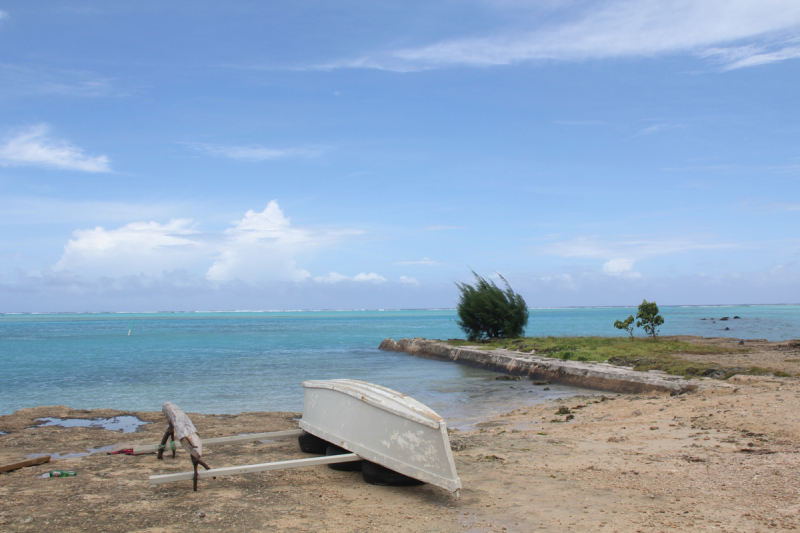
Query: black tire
[375, 474]
[350, 466]
[312, 444]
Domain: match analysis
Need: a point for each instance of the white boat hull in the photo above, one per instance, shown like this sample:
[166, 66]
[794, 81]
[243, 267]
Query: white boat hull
[382, 426]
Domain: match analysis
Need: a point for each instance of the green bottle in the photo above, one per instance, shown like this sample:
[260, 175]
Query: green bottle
[63, 473]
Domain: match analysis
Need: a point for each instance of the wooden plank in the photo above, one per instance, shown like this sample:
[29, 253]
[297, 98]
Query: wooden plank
[235, 470]
[22, 464]
[227, 440]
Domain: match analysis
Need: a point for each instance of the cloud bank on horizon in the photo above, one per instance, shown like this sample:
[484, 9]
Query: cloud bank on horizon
[261, 247]
[594, 153]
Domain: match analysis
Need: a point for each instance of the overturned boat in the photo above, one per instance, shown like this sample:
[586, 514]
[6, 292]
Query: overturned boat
[382, 426]
[394, 435]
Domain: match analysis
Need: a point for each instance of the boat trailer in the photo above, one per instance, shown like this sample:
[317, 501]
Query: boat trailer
[369, 423]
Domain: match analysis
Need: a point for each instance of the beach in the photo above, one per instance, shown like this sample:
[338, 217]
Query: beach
[722, 458]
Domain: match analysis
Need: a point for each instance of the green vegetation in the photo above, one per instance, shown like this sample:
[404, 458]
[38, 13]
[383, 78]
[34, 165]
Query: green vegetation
[640, 353]
[487, 311]
[648, 318]
[626, 325]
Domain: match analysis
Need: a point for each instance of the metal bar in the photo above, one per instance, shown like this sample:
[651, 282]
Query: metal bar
[236, 438]
[234, 470]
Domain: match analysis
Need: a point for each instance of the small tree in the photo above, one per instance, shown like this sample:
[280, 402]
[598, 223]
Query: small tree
[648, 318]
[626, 324]
[486, 310]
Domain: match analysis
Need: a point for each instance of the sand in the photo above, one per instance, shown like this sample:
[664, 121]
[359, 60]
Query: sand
[721, 459]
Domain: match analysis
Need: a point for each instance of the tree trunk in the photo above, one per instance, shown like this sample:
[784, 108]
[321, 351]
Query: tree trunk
[185, 431]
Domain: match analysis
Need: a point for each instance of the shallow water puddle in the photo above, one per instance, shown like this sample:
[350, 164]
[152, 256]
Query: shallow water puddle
[126, 424]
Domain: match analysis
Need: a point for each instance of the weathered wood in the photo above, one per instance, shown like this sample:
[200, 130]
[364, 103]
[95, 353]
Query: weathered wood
[22, 464]
[184, 430]
[150, 448]
[234, 470]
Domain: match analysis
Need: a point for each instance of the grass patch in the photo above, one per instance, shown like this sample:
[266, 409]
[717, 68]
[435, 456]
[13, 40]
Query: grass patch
[640, 353]
[596, 348]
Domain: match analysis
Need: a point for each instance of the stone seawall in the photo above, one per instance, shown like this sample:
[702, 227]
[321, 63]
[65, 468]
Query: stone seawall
[600, 376]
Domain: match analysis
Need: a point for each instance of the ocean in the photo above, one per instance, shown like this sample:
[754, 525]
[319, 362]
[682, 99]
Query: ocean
[230, 362]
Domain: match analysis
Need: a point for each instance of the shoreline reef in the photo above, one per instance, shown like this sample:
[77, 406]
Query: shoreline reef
[674, 364]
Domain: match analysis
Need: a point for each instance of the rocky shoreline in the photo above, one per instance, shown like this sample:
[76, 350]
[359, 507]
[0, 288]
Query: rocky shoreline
[588, 375]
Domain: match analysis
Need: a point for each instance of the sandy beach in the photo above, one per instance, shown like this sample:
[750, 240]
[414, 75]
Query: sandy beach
[724, 458]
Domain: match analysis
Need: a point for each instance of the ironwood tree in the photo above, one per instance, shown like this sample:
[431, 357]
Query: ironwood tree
[488, 311]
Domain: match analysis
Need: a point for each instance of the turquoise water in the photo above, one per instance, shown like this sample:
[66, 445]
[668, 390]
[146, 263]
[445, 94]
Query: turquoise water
[253, 361]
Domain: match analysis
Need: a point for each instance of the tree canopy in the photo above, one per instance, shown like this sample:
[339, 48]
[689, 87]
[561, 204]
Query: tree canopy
[648, 318]
[487, 311]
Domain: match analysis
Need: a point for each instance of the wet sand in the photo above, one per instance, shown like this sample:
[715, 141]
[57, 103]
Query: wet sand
[623, 463]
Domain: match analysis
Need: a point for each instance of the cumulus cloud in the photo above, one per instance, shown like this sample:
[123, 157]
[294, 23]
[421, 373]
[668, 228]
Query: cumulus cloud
[409, 280]
[616, 29]
[257, 153]
[33, 147]
[372, 276]
[620, 267]
[262, 246]
[331, 277]
[138, 247]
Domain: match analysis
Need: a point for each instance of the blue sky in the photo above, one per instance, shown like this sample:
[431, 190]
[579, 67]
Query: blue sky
[305, 155]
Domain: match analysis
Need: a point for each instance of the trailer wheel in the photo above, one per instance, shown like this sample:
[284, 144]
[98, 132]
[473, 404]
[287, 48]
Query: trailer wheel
[376, 474]
[312, 444]
[350, 466]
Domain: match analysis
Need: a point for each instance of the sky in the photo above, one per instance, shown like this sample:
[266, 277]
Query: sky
[368, 155]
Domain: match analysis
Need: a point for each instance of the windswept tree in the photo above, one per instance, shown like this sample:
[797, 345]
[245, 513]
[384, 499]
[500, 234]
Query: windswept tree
[487, 311]
[648, 318]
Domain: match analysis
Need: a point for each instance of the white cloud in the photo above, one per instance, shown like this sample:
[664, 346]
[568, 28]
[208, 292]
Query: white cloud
[32, 147]
[372, 276]
[331, 277]
[264, 245]
[620, 267]
[3, 15]
[260, 247]
[615, 29]
[138, 247]
[335, 277]
[409, 280]
[655, 128]
[257, 153]
[753, 55]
